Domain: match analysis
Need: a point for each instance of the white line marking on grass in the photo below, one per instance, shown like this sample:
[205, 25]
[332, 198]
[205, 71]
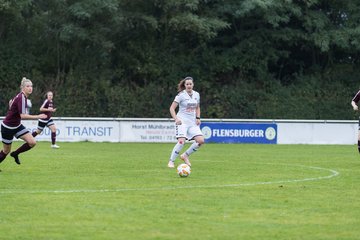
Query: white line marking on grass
[333, 174]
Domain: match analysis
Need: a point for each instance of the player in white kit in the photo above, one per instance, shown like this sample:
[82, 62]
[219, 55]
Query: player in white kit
[187, 121]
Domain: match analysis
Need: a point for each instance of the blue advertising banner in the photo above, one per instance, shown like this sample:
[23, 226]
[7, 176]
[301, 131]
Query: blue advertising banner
[239, 132]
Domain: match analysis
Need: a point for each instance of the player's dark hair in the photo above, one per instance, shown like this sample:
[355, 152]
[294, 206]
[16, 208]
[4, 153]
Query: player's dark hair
[181, 85]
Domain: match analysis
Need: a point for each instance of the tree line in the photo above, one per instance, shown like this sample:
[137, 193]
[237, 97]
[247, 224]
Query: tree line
[123, 58]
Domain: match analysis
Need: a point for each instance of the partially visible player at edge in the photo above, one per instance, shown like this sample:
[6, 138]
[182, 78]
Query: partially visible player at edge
[354, 103]
[187, 120]
[11, 125]
[47, 108]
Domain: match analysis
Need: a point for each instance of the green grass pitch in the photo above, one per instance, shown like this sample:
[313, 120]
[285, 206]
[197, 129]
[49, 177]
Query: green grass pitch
[235, 191]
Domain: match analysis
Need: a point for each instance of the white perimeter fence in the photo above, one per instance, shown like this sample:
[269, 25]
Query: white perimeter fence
[215, 130]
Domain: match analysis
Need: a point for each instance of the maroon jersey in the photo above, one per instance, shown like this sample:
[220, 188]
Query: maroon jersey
[356, 99]
[47, 104]
[18, 106]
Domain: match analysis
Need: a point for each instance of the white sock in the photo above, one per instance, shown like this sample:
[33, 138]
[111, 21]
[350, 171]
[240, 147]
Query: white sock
[193, 148]
[175, 152]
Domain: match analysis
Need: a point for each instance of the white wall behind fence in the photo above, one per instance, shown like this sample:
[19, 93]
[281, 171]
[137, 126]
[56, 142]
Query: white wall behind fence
[163, 130]
[317, 133]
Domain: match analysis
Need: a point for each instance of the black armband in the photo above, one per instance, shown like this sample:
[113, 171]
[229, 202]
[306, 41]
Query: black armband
[198, 118]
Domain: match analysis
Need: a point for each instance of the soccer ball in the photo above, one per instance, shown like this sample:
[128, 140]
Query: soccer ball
[183, 170]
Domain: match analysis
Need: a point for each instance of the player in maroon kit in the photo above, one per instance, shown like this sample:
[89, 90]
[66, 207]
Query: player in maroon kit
[47, 108]
[11, 126]
[354, 103]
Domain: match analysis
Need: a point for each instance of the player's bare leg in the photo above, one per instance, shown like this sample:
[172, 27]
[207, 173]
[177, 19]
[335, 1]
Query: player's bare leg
[175, 152]
[5, 151]
[30, 143]
[199, 141]
[53, 137]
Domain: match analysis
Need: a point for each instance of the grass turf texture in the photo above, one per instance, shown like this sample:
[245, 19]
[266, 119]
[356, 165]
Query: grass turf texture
[125, 191]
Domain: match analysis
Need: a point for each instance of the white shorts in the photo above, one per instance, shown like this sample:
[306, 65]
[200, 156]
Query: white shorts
[187, 131]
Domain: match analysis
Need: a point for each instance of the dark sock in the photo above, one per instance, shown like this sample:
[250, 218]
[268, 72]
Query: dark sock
[34, 134]
[359, 146]
[23, 148]
[2, 156]
[53, 138]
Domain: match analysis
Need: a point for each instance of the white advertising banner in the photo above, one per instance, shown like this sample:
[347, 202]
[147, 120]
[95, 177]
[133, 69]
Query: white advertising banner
[163, 130]
[74, 131]
[147, 131]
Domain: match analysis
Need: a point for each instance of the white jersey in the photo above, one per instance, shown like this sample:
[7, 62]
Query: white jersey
[187, 106]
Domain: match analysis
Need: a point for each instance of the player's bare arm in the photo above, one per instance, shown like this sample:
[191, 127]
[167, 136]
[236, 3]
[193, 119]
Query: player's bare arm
[354, 105]
[173, 107]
